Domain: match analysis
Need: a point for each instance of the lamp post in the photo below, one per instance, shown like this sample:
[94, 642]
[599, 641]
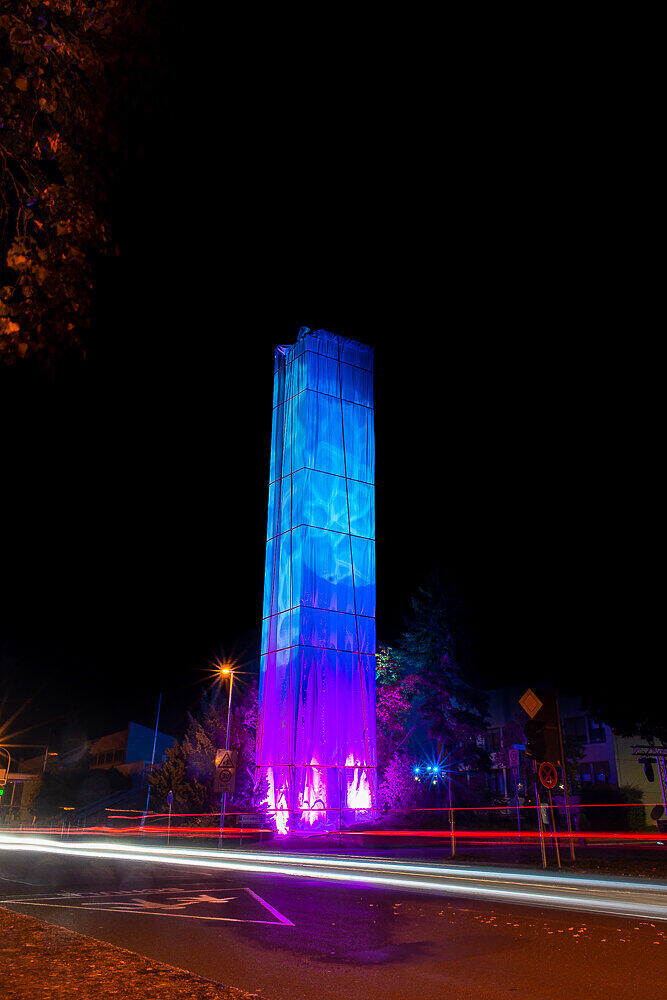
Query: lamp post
[226, 672]
[148, 794]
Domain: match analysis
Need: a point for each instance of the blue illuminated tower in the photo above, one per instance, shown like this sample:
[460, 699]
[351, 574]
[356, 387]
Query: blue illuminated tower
[316, 742]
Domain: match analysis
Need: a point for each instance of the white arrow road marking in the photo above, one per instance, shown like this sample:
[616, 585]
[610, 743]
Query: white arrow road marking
[138, 904]
[146, 904]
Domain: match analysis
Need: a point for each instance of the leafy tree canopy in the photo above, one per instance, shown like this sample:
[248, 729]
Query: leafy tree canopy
[67, 68]
[189, 768]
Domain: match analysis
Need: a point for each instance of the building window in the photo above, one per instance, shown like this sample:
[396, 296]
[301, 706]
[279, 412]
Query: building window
[575, 727]
[601, 772]
[585, 777]
[596, 733]
[495, 782]
[494, 739]
[511, 783]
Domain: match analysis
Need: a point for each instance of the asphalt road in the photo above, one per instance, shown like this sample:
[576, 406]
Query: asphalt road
[300, 939]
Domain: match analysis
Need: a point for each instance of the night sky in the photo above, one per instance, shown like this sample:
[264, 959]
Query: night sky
[135, 548]
[134, 491]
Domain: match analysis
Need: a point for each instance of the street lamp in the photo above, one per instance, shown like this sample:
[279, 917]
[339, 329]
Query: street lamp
[226, 671]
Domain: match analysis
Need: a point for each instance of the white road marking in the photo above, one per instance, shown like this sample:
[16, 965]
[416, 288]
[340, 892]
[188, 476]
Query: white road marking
[132, 902]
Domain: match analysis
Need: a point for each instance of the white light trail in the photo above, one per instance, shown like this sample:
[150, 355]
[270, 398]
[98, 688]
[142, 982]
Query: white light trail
[619, 897]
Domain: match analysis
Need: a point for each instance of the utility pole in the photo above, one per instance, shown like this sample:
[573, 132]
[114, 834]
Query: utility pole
[157, 723]
[566, 790]
[226, 672]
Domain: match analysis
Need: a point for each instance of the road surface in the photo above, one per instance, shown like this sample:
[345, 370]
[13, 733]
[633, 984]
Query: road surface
[304, 938]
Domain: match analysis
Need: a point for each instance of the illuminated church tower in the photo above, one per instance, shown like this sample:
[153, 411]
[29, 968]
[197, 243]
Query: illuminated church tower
[316, 741]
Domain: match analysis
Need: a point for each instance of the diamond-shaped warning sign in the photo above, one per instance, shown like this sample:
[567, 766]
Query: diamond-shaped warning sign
[530, 703]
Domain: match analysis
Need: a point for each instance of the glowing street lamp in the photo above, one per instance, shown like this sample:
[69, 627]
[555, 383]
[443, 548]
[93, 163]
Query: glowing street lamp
[226, 671]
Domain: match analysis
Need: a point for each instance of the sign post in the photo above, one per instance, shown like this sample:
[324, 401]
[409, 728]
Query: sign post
[549, 777]
[513, 759]
[566, 788]
[544, 745]
[554, 832]
[451, 817]
[170, 799]
[225, 780]
[538, 805]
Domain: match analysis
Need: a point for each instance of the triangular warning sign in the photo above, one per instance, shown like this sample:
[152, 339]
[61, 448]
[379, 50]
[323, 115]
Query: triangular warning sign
[226, 760]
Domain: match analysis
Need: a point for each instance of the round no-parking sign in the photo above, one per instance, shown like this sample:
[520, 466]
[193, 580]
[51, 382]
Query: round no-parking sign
[548, 775]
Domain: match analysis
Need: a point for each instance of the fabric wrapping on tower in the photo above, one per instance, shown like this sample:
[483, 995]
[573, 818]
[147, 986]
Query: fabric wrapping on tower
[316, 751]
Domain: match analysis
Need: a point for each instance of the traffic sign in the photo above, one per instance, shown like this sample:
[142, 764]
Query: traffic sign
[542, 729]
[225, 771]
[513, 757]
[530, 703]
[548, 775]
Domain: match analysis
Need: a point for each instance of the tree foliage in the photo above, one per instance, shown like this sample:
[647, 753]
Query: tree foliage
[394, 694]
[76, 787]
[435, 647]
[189, 767]
[623, 817]
[66, 67]
[630, 710]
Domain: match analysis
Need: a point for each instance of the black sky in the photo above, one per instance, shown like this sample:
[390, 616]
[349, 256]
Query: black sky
[134, 496]
[134, 548]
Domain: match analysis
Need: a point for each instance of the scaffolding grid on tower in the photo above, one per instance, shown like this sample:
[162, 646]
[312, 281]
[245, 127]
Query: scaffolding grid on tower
[316, 755]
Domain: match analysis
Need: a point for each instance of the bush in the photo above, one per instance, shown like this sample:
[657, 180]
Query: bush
[598, 818]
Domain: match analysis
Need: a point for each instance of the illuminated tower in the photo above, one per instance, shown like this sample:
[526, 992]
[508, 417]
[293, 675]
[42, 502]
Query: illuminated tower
[316, 745]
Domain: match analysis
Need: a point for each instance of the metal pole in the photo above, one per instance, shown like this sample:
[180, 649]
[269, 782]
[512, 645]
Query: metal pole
[157, 723]
[223, 804]
[566, 790]
[229, 708]
[539, 820]
[451, 817]
[554, 834]
[169, 825]
[660, 761]
[567, 814]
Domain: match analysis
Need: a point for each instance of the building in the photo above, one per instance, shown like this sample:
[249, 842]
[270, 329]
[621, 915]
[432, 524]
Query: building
[316, 745]
[605, 758]
[129, 751]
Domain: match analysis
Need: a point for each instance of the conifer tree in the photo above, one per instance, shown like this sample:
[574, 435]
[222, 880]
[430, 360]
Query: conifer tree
[436, 647]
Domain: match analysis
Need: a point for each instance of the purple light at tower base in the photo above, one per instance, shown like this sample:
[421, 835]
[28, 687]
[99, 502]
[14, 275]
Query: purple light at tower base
[316, 758]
